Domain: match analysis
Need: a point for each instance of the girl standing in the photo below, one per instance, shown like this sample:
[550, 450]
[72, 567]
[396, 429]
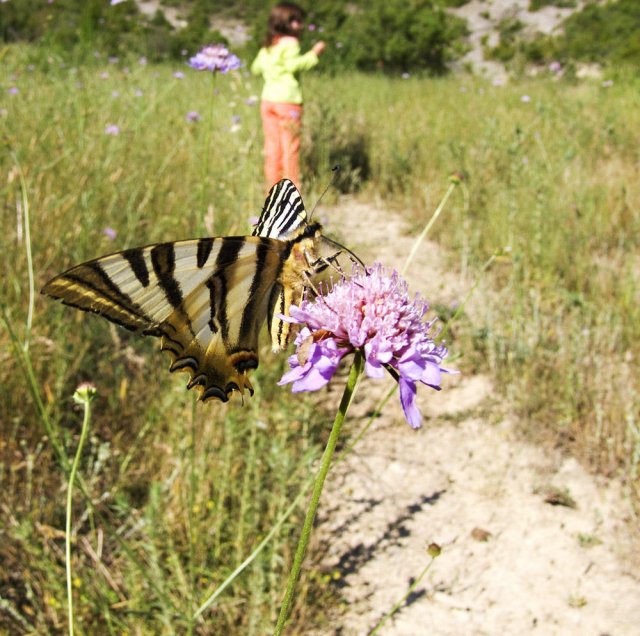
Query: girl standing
[279, 62]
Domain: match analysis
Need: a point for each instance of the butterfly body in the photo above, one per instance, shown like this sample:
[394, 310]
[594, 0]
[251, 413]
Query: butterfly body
[206, 298]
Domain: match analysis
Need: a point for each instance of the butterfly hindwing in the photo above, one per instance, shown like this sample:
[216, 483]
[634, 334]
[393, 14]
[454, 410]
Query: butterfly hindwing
[206, 299]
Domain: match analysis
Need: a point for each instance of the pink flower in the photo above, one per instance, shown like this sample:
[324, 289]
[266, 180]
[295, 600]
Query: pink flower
[370, 312]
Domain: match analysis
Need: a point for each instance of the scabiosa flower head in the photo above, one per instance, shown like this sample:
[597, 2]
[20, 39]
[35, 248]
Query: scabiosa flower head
[370, 312]
[215, 57]
[84, 393]
[193, 116]
[111, 129]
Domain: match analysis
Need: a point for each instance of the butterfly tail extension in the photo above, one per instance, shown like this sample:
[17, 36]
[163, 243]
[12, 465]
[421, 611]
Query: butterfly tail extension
[214, 375]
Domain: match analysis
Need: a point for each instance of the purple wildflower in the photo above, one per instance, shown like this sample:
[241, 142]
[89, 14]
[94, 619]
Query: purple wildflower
[193, 116]
[111, 129]
[179, 75]
[525, 99]
[370, 312]
[235, 123]
[215, 57]
[14, 90]
[555, 67]
[110, 233]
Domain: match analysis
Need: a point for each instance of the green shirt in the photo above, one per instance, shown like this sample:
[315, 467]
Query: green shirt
[279, 66]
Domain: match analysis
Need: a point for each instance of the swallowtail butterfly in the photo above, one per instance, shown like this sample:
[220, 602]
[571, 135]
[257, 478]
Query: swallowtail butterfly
[207, 298]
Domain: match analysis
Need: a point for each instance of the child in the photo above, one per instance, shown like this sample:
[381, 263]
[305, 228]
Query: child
[279, 62]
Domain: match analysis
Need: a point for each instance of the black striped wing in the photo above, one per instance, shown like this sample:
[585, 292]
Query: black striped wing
[283, 214]
[206, 299]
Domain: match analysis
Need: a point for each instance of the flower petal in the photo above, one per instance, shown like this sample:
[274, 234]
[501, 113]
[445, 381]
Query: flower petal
[408, 401]
[373, 369]
[432, 375]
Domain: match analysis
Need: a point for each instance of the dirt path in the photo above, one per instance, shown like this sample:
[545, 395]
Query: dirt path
[511, 562]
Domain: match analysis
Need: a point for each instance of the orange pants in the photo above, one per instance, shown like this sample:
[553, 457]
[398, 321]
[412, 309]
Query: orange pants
[281, 123]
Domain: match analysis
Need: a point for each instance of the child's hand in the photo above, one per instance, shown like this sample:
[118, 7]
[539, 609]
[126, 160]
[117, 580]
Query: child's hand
[318, 48]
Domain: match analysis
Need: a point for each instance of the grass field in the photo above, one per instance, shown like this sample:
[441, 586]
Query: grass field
[175, 495]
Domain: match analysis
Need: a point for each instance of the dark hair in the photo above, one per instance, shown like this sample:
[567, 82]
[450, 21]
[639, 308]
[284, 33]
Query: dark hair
[280, 20]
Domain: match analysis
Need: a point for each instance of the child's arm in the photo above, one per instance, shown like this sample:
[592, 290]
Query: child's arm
[296, 62]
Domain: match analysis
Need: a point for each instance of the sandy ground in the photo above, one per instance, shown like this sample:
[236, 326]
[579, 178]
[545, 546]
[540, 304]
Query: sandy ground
[511, 562]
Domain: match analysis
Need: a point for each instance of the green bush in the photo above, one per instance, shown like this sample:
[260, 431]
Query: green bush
[401, 36]
[606, 34]
[609, 32]
[509, 44]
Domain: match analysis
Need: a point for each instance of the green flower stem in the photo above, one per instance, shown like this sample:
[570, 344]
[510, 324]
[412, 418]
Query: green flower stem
[427, 227]
[200, 220]
[461, 306]
[399, 604]
[24, 206]
[84, 398]
[352, 382]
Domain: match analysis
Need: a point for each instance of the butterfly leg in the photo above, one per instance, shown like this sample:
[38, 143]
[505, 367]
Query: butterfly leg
[322, 263]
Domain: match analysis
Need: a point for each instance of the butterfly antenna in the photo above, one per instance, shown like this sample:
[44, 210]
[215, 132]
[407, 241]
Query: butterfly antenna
[343, 249]
[336, 169]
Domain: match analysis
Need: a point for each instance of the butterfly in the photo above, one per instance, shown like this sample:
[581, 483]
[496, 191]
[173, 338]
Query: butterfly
[207, 298]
